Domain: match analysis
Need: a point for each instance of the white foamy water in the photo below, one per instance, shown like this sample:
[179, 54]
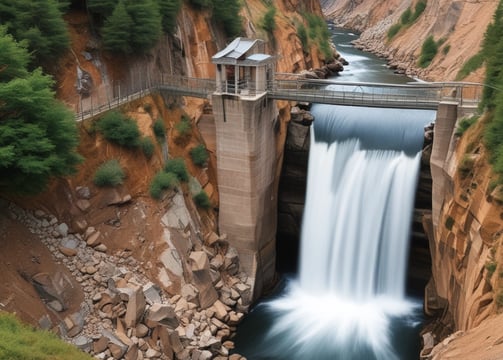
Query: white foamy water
[355, 234]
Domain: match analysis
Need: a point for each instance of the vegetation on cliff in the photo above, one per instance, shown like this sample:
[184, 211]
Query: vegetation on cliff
[133, 26]
[40, 24]
[224, 13]
[493, 91]
[22, 342]
[38, 136]
[407, 18]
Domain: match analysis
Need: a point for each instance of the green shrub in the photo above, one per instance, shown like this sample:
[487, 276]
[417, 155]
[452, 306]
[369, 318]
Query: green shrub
[177, 167]
[199, 155]
[418, 10]
[147, 146]
[428, 52]
[119, 129]
[184, 126]
[406, 16]
[393, 30]
[472, 64]
[20, 341]
[159, 129]
[268, 23]
[446, 49]
[109, 174]
[162, 181]
[464, 124]
[202, 200]
[491, 267]
[318, 32]
[302, 34]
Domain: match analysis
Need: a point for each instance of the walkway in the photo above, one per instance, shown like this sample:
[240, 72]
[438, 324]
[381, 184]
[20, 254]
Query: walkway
[417, 95]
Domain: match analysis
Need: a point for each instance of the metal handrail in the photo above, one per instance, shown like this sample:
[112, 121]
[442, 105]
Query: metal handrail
[295, 88]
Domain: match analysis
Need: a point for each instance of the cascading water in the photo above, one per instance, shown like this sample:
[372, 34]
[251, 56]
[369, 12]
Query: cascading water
[349, 299]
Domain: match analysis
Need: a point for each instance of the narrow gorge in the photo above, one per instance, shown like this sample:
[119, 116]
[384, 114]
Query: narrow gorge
[123, 274]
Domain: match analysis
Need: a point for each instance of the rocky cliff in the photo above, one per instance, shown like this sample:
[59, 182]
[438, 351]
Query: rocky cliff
[458, 26]
[97, 249]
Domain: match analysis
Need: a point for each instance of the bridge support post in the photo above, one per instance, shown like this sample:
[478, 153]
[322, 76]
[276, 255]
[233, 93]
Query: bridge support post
[246, 165]
[447, 115]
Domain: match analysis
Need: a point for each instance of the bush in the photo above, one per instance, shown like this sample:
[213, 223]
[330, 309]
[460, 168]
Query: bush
[491, 267]
[159, 129]
[147, 146]
[472, 64]
[202, 200]
[183, 127]
[464, 124]
[119, 129]
[428, 52]
[109, 174]
[302, 34]
[393, 30]
[162, 181]
[199, 155]
[268, 23]
[177, 167]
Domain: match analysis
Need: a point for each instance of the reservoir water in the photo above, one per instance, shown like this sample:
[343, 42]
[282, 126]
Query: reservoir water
[348, 299]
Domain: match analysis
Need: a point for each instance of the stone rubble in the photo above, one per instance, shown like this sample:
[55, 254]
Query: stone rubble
[125, 315]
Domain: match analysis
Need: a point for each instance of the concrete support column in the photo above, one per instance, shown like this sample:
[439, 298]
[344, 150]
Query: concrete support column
[246, 163]
[445, 123]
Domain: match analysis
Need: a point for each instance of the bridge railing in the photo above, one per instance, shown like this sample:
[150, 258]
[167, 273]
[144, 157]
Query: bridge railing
[285, 86]
[420, 94]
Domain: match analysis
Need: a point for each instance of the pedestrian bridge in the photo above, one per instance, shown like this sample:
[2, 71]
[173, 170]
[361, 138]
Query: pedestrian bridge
[291, 87]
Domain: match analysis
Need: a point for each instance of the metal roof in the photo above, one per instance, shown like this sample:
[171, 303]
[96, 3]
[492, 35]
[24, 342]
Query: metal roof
[236, 49]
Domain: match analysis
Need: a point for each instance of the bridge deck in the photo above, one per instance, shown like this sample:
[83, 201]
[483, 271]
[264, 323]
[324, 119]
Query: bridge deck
[412, 95]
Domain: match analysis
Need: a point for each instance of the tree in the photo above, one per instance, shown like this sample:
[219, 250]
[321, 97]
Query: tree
[40, 23]
[226, 12]
[169, 11]
[147, 28]
[117, 30]
[38, 135]
[104, 8]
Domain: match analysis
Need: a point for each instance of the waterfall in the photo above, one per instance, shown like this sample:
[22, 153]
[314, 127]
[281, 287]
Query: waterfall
[363, 170]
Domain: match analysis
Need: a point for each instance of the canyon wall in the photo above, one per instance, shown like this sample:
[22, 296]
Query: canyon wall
[465, 225]
[458, 25]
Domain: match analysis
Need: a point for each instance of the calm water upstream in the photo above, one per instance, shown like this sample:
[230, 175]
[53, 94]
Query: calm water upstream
[348, 300]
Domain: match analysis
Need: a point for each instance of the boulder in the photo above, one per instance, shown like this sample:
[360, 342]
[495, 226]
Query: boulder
[161, 314]
[135, 307]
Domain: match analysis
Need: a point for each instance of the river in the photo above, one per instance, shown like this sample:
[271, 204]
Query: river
[351, 305]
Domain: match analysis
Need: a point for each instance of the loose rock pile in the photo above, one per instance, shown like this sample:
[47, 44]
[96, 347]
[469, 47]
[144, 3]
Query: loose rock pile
[124, 314]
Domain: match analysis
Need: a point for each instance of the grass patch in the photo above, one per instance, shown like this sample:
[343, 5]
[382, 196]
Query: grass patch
[19, 341]
[109, 174]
